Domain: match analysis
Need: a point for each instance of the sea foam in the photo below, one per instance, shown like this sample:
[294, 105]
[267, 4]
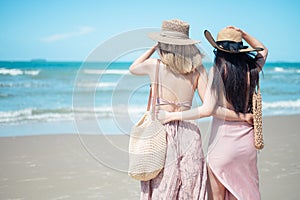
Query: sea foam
[17, 72]
[282, 104]
[108, 71]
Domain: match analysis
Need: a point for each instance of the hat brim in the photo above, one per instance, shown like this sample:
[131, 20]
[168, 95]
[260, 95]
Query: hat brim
[156, 36]
[212, 41]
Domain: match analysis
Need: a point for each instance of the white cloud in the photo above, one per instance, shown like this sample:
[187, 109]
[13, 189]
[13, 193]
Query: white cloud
[85, 30]
[62, 36]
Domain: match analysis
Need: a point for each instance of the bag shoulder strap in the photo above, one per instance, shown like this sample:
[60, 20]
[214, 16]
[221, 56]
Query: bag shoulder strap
[149, 99]
[155, 91]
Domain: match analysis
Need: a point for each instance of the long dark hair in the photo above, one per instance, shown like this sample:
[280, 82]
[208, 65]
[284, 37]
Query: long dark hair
[230, 78]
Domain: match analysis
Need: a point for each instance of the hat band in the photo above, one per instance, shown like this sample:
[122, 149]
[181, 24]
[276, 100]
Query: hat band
[231, 46]
[173, 34]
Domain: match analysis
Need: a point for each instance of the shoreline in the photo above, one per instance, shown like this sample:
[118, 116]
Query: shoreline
[65, 166]
[69, 127]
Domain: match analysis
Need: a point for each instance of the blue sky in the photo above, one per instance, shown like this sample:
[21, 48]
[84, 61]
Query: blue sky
[65, 30]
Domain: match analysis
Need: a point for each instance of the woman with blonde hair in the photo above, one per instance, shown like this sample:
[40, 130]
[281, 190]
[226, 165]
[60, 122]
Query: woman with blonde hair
[232, 157]
[180, 74]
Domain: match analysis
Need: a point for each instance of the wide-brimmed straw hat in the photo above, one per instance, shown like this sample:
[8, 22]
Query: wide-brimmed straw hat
[229, 40]
[173, 31]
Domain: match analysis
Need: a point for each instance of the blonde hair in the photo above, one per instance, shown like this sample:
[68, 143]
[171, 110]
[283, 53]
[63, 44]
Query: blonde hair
[181, 59]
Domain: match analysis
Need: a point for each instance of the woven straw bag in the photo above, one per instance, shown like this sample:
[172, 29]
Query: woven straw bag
[257, 119]
[147, 144]
[257, 114]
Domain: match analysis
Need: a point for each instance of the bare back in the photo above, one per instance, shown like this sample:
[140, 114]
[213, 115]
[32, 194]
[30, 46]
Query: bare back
[176, 91]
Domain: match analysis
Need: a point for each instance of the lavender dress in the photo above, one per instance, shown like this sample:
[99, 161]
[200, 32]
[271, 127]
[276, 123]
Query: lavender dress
[184, 175]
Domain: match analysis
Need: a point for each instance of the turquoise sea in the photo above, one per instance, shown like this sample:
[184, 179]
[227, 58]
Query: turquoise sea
[40, 97]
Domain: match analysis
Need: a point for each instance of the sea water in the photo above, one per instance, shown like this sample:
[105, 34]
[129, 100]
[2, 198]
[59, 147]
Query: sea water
[54, 97]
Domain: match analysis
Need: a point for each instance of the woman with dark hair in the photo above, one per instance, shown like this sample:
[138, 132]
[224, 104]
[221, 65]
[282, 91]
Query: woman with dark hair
[232, 157]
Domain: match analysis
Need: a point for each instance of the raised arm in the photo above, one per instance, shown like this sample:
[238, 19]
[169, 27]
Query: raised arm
[141, 66]
[254, 43]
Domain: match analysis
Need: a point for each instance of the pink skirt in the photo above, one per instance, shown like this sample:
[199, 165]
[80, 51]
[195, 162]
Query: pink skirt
[233, 158]
[184, 175]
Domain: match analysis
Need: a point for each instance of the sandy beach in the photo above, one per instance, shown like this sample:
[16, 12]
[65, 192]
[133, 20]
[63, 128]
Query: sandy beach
[72, 166]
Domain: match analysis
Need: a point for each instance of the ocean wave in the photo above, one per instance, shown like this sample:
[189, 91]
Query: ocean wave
[278, 69]
[17, 72]
[23, 85]
[108, 71]
[67, 114]
[5, 95]
[98, 85]
[31, 114]
[282, 104]
[286, 70]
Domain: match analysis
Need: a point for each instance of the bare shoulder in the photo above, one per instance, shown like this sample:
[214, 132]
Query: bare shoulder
[150, 61]
[149, 64]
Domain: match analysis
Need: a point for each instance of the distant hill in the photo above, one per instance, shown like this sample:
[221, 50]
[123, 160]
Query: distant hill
[38, 60]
